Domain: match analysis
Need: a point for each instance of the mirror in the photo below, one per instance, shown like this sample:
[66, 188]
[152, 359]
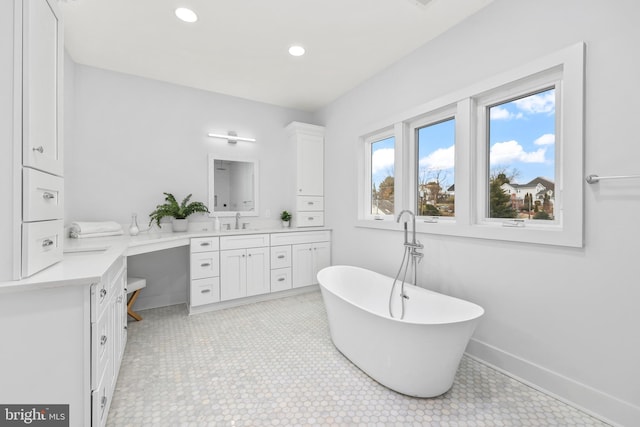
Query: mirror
[233, 187]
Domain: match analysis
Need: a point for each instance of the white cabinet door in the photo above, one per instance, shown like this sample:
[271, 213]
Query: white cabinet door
[302, 265]
[321, 259]
[233, 274]
[258, 280]
[42, 87]
[310, 158]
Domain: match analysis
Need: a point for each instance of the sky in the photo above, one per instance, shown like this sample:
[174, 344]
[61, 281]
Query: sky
[521, 137]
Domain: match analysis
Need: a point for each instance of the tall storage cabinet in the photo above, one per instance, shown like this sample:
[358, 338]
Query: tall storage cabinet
[33, 179]
[308, 141]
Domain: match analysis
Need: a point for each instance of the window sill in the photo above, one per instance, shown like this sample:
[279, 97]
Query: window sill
[528, 234]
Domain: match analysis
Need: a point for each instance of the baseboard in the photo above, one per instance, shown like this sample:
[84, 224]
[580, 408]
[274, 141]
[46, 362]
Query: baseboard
[603, 406]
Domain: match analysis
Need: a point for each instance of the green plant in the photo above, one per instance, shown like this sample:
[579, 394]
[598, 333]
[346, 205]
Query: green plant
[285, 216]
[173, 209]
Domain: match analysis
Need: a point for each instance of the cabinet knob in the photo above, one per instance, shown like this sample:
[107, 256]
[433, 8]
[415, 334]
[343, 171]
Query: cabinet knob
[39, 149]
[204, 244]
[205, 291]
[47, 195]
[281, 279]
[206, 264]
[46, 243]
[103, 340]
[103, 402]
[310, 203]
[242, 255]
[280, 256]
[310, 218]
[103, 292]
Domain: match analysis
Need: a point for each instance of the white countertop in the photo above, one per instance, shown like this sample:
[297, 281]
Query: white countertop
[87, 260]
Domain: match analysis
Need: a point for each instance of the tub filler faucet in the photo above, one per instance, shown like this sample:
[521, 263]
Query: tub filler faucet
[411, 248]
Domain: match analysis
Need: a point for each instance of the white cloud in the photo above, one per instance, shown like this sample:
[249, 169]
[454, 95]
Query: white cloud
[510, 151]
[442, 158]
[499, 113]
[546, 139]
[382, 160]
[541, 103]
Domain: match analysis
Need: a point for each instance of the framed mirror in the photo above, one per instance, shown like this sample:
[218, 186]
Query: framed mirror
[233, 186]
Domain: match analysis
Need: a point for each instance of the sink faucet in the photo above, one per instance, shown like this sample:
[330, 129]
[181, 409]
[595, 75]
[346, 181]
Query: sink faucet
[237, 220]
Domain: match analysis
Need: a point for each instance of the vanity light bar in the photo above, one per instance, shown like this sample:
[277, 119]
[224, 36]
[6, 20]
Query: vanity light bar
[231, 137]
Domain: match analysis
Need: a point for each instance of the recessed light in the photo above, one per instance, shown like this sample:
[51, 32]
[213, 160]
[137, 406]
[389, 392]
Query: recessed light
[187, 15]
[296, 50]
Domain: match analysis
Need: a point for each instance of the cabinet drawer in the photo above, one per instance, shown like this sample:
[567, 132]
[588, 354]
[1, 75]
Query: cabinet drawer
[280, 256]
[205, 291]
[244, 241]
[310, 219]
[309, 203]
[205, 264]
[42, 196]
[41, 245]
[101, 342]
[205, 244]
[280, 279]
[100, 401]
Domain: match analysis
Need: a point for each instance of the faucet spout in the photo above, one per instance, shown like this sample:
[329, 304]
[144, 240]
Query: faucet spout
[237, 220]
[413, 226]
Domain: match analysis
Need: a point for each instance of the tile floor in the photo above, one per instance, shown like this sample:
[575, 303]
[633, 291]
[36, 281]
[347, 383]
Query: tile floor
[273, 363]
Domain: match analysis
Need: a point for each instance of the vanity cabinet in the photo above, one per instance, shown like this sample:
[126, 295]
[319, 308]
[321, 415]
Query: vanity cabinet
[244, 266]
[108, 338]
[31, 118]
[64, 343]
[205, 271]
[310, 253]
[308, 141]
[253, 266]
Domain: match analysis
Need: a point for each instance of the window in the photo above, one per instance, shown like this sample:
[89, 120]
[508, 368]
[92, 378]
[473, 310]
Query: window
[380, 167]
[500, 160]
[434, 181]
[521, 134]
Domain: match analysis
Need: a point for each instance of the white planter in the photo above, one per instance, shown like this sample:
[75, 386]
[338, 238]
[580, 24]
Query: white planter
[180, 224]
[285, 224]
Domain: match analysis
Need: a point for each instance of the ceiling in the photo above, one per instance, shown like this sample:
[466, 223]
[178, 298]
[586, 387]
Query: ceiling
[240, 47]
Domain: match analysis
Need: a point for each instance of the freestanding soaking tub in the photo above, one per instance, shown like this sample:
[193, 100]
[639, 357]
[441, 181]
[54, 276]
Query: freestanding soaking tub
[416, 356]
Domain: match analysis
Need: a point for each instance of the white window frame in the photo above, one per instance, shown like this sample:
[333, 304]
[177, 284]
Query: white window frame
[564, 70]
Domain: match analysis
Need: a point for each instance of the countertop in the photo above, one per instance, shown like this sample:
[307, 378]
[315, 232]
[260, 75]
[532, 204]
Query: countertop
[87, 260]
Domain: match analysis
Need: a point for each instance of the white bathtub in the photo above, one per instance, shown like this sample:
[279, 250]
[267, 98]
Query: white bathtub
[417, 356]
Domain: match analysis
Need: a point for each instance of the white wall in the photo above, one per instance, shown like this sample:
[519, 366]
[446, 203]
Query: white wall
[136, 138]
[575, 333]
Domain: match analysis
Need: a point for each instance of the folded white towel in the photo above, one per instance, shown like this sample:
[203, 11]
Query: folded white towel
[105, 234]
[90, 228]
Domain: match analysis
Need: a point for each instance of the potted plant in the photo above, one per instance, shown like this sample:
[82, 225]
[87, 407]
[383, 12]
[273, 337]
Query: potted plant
[179, 212]
[285, 217]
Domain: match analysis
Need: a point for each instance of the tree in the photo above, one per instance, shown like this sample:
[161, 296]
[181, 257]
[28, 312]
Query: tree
[386, 188]
[499, 201]
[541, 215]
